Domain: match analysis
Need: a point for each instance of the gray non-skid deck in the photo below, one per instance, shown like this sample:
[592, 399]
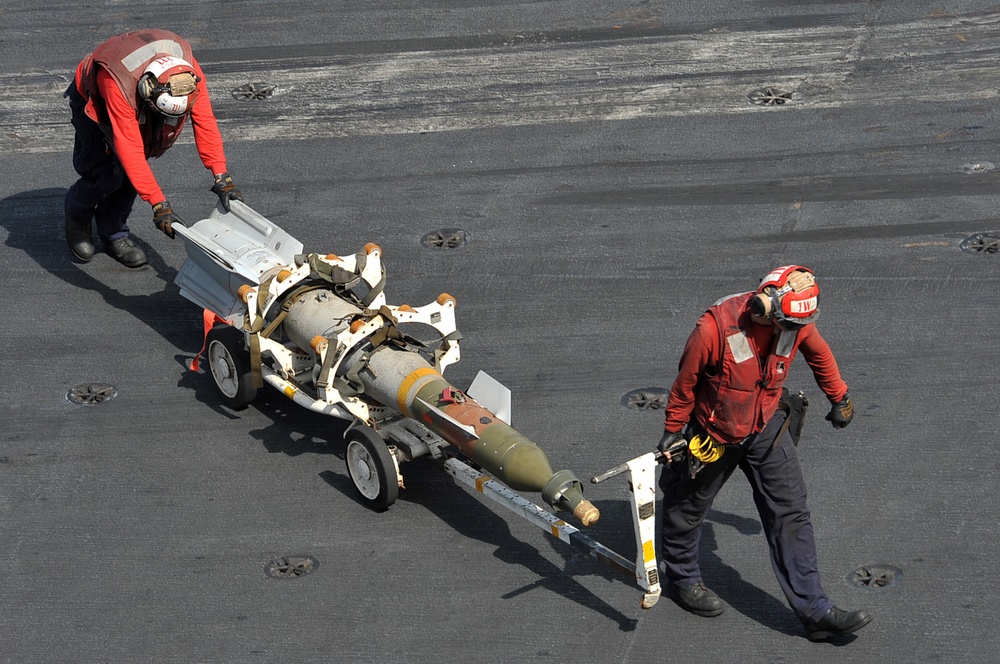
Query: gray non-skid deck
[613, 179]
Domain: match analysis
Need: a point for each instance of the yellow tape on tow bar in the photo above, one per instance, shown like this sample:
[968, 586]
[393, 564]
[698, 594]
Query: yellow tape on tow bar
[648, 551]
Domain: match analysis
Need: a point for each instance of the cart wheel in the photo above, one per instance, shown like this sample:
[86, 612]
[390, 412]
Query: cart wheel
[229, 363]
[371, 467]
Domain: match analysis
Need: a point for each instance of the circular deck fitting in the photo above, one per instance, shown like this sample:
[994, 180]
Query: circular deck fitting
[981, 243]
[875, 577]
[291, 567]
[445, 238]
[254, 91]
[646, 398]
[978, 167]
[91, 394]
[769, 97]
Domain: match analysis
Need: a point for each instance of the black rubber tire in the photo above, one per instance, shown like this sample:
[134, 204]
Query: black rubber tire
[370, 465]
[229, 364]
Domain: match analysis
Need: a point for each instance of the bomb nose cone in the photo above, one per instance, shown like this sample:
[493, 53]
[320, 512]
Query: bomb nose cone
[565, 491]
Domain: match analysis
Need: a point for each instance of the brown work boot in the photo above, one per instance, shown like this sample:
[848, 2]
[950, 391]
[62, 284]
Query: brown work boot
[80, 240]
[696, 598]
[125, 252]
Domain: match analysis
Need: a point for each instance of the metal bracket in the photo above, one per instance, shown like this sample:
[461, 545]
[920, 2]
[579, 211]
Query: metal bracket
[642, 499]
[464, 474]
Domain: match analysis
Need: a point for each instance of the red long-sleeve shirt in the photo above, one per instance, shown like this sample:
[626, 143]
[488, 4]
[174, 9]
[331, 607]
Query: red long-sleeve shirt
[128, 140]
[703, 350]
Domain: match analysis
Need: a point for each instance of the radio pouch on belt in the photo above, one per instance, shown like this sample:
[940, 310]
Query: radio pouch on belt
[795, 406]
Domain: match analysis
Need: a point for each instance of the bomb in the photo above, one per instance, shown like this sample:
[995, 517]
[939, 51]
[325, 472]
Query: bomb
[319, 329]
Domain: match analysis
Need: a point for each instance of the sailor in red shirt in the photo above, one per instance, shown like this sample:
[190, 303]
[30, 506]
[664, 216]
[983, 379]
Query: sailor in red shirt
[726, 398]
[130, 100]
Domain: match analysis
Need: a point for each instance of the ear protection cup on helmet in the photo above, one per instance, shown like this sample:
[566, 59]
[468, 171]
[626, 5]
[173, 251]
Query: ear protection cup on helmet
[147, 86]
[760, 305]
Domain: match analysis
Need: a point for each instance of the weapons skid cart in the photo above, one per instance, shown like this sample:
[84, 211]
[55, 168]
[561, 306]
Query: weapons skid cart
[319, 330]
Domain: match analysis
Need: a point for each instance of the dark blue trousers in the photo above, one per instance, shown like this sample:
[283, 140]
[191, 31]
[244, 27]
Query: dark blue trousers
[103, 194]
[779, 492]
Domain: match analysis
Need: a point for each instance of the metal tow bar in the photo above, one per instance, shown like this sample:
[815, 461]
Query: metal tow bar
[468, 476]
[642, 498]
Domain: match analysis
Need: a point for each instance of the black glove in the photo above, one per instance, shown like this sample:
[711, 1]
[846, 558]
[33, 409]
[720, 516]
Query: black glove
[841, 413]
[669, 440]
[226, 190]
[164, 218]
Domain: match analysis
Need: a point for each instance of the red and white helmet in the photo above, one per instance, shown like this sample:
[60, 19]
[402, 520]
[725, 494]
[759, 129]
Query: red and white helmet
[170, 85]
[788, 294]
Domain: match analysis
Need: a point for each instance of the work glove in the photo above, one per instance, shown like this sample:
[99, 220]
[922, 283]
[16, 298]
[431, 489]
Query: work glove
[226, 190]
[841, 413]
[164, 218]
[669, 440]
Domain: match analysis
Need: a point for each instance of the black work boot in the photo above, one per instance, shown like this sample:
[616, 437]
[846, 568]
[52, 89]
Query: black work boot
[696, 598]
[79, 239]
[837, 622]
[125, 252]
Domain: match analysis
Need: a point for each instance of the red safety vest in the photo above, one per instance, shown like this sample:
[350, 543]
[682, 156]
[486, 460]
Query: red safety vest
[740, 397]
[125, 57]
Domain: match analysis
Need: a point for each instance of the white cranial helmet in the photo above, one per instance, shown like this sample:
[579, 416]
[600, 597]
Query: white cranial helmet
[170, 85]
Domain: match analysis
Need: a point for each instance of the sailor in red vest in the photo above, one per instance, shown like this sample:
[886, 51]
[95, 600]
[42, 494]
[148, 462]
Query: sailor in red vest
[726, 399]
[130, 100]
